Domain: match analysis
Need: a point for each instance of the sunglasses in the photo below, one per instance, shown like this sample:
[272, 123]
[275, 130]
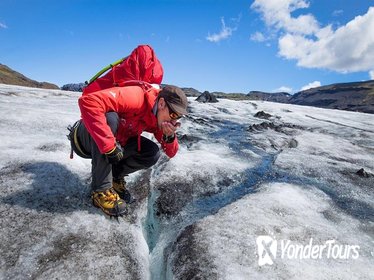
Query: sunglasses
[173, 115]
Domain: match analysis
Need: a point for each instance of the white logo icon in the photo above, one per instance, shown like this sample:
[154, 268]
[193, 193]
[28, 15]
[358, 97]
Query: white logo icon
[267, 249]
[113, 93]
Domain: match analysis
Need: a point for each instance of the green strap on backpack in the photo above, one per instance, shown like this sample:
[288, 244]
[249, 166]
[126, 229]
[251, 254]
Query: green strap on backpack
[106, 68]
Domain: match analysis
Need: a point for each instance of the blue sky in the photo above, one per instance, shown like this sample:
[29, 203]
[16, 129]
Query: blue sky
[230, 46]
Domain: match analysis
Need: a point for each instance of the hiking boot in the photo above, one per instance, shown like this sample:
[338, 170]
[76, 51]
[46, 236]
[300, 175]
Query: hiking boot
[110, 202]
[119, 185]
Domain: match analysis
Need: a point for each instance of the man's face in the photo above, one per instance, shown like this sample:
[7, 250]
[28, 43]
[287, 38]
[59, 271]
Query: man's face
[165, 116]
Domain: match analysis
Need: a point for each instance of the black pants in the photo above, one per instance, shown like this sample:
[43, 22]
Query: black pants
[102, 170]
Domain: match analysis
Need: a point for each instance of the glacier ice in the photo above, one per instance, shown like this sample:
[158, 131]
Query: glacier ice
[197, 214]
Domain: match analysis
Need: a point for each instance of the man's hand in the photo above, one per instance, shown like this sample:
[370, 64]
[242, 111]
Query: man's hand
[115, 155]
[169, 128]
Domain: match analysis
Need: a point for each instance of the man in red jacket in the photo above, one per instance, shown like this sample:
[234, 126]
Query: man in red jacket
[110, 134]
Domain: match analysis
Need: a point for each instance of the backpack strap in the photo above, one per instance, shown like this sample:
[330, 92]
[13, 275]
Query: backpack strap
[144, 85]
[102, 71]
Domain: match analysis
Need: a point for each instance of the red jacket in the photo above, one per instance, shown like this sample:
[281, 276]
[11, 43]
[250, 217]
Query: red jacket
[134, 107]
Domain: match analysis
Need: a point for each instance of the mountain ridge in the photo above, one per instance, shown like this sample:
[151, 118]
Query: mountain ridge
[354, 96]
[11, 77]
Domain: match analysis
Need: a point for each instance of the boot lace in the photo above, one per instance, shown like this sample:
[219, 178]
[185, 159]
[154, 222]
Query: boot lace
[110, 197]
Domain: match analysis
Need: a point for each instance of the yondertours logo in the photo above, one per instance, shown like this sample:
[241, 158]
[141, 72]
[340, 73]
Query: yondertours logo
[268, 250]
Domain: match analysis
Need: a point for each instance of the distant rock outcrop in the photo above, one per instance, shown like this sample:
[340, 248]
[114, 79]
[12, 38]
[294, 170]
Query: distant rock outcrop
[358, 96]
[11, 77]
[191, 92]
[281, 97]
[262, 115]
[207, 97]
[74, 87]
[231, 95]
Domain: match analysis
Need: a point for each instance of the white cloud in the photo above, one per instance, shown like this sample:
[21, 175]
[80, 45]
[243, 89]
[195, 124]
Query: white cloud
[349, 48]
[311, 85]
[277, 14]
[258, 37]
[225, 33]
[283, 89]
[371, 74]
[337, 13]
[3, 25]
